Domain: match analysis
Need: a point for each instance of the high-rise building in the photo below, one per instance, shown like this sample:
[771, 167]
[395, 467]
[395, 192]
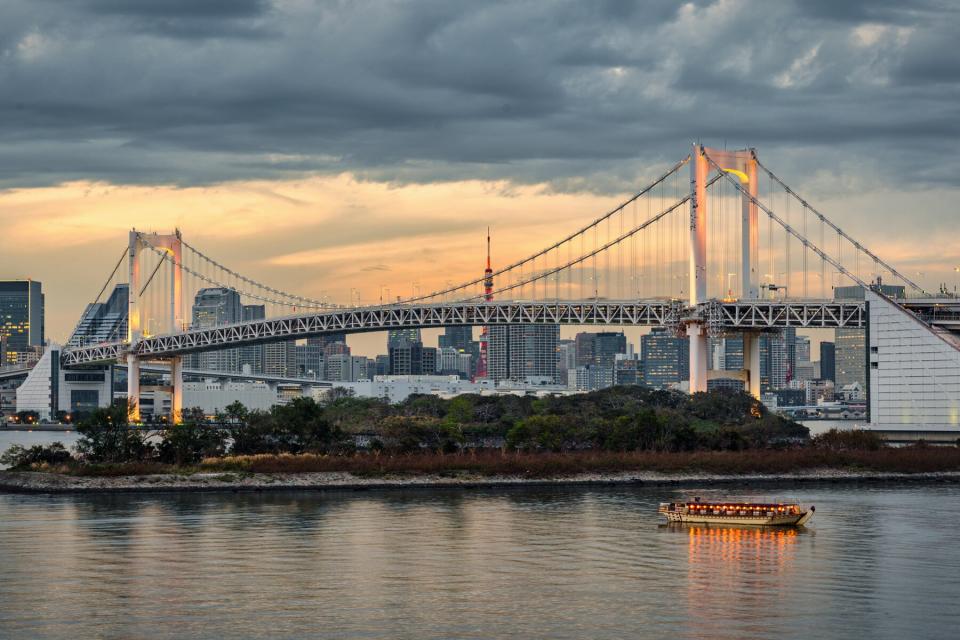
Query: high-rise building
[460, 338]
[409, 358]
[803, 369]
[584, 345]
[607, 345]
[327, 338]
[251, 356]
[665, 357]
[397, 336]
[733, 353]
[280, 359]
[521, 352]
[774, 361]
[566, 360]
[627, 370]
[103, 321]
[828, 369]
[451, 361]
[21, 317]
[213, 307]
[310, 361]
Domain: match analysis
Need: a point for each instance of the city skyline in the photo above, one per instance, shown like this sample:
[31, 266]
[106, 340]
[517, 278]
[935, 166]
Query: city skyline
[530, 149]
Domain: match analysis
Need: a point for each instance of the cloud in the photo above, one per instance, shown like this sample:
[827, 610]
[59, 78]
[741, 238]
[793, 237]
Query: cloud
[582, 96]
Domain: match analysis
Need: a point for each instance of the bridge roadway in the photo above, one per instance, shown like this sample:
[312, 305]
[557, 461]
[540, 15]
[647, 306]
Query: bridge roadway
[720, 316]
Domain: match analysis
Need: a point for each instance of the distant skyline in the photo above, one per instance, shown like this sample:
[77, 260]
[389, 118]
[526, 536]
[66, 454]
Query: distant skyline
[328, 146]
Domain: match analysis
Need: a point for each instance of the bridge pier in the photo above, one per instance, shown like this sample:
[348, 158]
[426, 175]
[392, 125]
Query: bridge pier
[697, 334]
[176, 389]
[133, 388]
[751, 362]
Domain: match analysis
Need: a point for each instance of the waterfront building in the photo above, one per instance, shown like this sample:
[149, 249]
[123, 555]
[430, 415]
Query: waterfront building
[665, 357]
[850, 350]
[21, 318]
[213, 396]
[818, 391]
[103, 321]
[519, 352]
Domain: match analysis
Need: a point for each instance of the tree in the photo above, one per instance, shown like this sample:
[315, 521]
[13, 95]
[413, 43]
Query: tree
[106, 436]
[18, 457]
[302, 426]
[236, 413]
[192, 439]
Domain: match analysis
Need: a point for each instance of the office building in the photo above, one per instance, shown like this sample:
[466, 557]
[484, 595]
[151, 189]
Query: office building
[566, 360]
[21, 318]
[627, 370]
[398, 336]
[521, 352]
[733, 353]
[213, 307]
[451, 361]
[280, 359]
[310, 361]
[665, 358]
[803, 368]
[251, 356]
[459, 338]
[327, 338]
[411, 358]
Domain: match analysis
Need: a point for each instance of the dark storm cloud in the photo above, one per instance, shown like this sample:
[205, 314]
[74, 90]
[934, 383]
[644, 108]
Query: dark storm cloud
[591, 96]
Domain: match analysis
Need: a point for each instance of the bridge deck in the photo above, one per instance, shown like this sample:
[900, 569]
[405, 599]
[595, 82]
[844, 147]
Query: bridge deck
[720, 315]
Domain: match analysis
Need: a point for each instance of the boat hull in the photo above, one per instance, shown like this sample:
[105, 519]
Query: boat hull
[793, 520]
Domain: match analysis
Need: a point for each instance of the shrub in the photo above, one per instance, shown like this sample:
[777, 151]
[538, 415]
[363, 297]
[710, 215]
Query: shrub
[852, 439]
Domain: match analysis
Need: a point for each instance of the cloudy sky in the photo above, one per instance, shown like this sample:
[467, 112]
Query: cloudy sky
[327, 145]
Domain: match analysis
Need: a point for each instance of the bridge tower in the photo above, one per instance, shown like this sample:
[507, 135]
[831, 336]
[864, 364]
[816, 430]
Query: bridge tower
[172, 245]
[742, 164]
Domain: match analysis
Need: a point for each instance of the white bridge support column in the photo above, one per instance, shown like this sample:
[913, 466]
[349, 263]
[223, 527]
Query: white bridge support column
[751, 362]
[697, 331]
[176, 385]
[697, 334]
[133, 388]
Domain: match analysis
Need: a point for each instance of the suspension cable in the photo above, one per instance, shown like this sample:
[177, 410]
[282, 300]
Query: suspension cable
[840, 231]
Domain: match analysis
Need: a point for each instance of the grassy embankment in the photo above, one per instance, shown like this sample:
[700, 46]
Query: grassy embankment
[489, 463]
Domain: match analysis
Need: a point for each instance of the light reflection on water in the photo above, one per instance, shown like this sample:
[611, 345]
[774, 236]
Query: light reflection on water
[481, 564]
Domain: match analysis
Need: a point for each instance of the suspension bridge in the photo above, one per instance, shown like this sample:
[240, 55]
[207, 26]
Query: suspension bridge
[717, 244]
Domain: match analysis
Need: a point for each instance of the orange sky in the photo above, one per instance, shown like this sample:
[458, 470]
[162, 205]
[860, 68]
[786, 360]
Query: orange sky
[326, 235]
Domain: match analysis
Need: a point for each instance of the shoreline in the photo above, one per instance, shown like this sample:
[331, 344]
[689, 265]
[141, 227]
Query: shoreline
[230, 482]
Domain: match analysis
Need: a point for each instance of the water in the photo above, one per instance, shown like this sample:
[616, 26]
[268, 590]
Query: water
[876, 562]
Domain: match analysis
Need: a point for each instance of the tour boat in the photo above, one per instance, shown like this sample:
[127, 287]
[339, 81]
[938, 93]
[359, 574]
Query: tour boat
[770, 514]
